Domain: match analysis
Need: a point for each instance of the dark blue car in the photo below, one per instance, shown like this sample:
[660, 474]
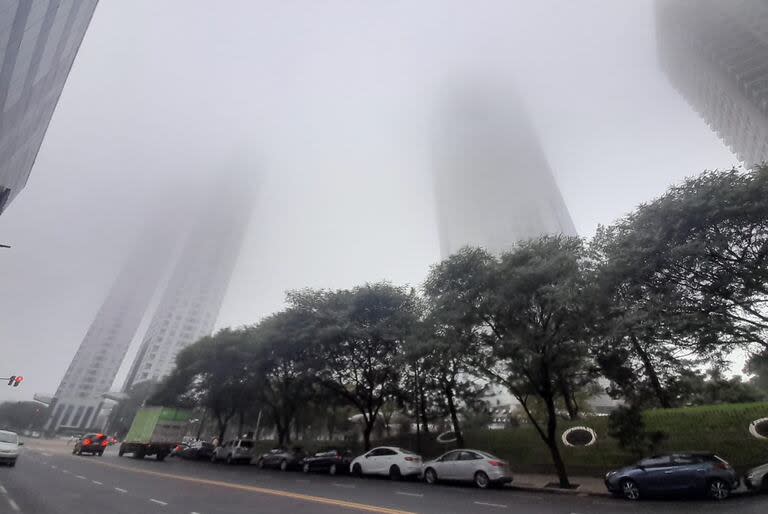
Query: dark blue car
[678, 473]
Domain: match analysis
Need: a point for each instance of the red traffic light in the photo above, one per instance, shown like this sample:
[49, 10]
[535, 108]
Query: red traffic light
[18, 381]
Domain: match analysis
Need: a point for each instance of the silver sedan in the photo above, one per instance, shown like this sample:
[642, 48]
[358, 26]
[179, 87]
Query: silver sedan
[464, 465]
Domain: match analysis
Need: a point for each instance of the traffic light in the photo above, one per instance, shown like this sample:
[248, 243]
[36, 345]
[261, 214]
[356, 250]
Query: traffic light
[11, 380]
[15, 380]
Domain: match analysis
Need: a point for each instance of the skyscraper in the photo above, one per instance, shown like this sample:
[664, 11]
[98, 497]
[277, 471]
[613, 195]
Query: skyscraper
[38, 44]
[493, 186]
[190, 303]
[715, 54]
[78, 399]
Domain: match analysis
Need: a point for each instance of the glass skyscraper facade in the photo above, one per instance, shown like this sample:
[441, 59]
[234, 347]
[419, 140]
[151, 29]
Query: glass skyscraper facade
[38, 43]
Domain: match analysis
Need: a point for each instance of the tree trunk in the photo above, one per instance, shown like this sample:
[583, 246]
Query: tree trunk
[222, 430]
[367, 429]
[652, 376]
[570, 404]
[423, 408]
[280, 435]
[454, 418]
[240, 423]
[551, 442]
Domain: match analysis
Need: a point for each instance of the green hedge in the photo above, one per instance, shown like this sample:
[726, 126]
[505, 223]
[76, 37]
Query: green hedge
[723, 429]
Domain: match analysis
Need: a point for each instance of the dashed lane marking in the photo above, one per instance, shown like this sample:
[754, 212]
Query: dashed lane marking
[65, 471]
[485, 504]
[303, 480]
[348, 486]
[158, 502]
[403, 493]
[120, 490]
[3, 490]
[261, 490]
[81, 477]
[13, 504]
[53, 466]
[97, 482]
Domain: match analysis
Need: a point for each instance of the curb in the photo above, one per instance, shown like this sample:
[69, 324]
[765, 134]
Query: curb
[553, 490]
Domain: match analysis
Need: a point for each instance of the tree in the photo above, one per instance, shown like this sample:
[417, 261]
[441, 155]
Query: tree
[282, 381]
[24, 415]
[122, 414]
[757, 365]
[627, 426]
[537, 328]
[360, 335]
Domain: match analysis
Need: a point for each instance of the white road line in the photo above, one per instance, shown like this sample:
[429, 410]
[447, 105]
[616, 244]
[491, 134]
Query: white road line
[3, 490]
[96, 482]
[497, 505]
[158, 502]
[46, 454]
[120, 490]
[81, 477]
[13, 504]
[193, 512]
[409, 494]
[348, 486]
[65, 471]
[303, 480]
[53, 467]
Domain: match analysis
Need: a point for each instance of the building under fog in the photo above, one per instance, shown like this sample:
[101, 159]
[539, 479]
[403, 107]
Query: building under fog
[38, 44]
[493, 186]
[191, 301]
[715, 54]
[90, 375]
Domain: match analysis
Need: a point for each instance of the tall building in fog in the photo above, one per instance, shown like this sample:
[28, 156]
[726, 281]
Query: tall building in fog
[493, 186]
[93, 369]
[38, 43]
[715, 54]
[191, 301]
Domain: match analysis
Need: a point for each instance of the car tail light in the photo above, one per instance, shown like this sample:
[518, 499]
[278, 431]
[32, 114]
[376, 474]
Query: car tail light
[722, 465]
[87, 442]
[497, 463]
[105, 443]
[412, 459]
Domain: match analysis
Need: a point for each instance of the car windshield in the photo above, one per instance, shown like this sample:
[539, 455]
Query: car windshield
[6, 437]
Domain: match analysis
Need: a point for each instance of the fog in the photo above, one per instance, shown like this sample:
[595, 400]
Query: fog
[332, 103]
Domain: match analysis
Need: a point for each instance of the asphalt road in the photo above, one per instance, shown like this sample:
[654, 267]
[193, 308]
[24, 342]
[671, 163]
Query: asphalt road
[49, 480]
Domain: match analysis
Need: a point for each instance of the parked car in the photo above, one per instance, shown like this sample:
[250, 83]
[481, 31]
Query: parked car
[387, 460]
[95, 444]
[675, 473]
[234, 452]
[756, 479]
[282, 458]
[331, 460]
[9, 447]
[481, 468]
[198, 450]
[176, 452]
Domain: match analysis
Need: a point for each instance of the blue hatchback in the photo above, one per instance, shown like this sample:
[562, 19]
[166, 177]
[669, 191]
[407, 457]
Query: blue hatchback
[677, 473]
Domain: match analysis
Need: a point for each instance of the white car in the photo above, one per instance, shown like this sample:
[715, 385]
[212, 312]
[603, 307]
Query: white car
[756, 479]
[9, 447]
[234, 451]
[387, 460]
[481, 468]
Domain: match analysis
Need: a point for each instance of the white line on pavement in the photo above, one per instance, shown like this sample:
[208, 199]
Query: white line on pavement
[303, 480]
[13, 504]
[158, 502]
[3, 490]
[96, 482]
[53, 467]
[409, 494]
[120, 490]
[348, 486]
[65, 471]
[81, 477]
[497, 505]
[46, 454]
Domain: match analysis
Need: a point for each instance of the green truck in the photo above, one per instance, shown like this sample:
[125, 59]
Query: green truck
[155, 431]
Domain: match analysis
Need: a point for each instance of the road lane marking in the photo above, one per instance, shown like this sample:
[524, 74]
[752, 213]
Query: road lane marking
[348, 486]
[158, 502]
[46, 454]
[65, 471]
[96, 482]
[303, 480]
[120, 490]
[53, 467]
[13, 504]
[485, 504]
[3, 490]
[261, 490]
[403, 493]
[81, 477]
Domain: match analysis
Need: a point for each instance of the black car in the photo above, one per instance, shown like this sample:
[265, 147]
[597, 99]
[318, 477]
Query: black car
[198, 450]
[95, 444]
[331, 460]
[679, 473]
[282, 458]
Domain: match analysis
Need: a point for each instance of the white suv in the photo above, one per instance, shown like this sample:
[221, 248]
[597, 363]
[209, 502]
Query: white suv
[9, 447]
[387, 460]
[234, 451]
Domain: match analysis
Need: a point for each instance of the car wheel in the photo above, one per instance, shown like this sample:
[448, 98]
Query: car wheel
[260, 463]
[213, 458]
[101, 453]
[283, 465]
[718, 489]
[305, 468]
[481, 480]
[333, 470]
[394, 473]
[430, 476]
[357, 470]
[161, 456]
[12, 464]
[629, 490]
[764, 484]
[120, 452]
[74, 451]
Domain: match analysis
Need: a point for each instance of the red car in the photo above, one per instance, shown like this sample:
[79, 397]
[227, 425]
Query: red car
[95, 444]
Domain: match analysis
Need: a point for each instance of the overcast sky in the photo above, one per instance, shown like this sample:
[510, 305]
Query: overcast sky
[332, 101]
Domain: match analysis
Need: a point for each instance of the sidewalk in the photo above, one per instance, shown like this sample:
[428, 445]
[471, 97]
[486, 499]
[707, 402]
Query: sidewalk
[532, 482]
